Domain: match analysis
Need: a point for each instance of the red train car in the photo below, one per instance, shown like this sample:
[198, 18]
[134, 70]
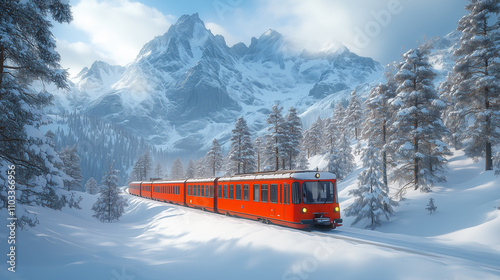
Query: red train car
[200, 193]
[146, 189]
[135, 188]
[169, 191]
[290, 198]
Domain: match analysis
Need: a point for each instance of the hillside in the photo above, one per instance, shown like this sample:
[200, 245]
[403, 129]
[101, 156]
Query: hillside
[155, 240]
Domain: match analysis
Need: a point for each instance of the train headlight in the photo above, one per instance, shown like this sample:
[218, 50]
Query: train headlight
[304, 210]
[336, 209]
[317, 175]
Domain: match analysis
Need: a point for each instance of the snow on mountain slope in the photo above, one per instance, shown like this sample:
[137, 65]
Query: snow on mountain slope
[188, 79]
[155, 240]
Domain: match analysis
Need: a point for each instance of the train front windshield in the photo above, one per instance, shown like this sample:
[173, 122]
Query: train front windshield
[317, 192]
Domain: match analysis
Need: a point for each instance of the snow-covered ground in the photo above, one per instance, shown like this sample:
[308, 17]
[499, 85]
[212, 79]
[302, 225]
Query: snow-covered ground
[154, 240]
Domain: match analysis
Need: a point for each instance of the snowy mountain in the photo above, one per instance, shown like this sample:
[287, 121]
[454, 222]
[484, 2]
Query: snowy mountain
[100, 77]
[187, 87]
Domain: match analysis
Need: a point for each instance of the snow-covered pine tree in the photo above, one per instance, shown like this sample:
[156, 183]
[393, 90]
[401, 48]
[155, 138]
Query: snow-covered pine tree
[190, 170]
[158, 171]
[341, 161]
[214, 158]
[260, 150]
[293, 138]
[354, 115]
[242, 155]
[338, 119]
[142, 168]
[372, 195]
[313, 138]
[110, 205]
[71, 166]
[91, 186]
[274, 140]
[177, 170]
[475, 80]
[27, 53]
[417, 126]
[377, 120]
[147, 167]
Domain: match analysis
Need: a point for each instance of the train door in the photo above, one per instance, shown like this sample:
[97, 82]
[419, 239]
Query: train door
[277, 209]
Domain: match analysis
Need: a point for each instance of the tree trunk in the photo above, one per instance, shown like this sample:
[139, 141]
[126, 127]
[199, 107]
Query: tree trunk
[2, 59]
[384, 155]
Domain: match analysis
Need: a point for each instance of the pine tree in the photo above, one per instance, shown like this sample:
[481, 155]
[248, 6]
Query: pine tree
[190, 170]
[313, 138]
[142, 168]
[418, 129]
[431, 207]
[91, 186]
[71, 166]
[242, 154]
[354, 114]
[274, 140]
[372, 199]
[341, 161]
[177, 170]
[214, 158]
[27, 53]
[260, 150]
[158, 171]
[293, 138]
[474, 85]
[378, 119]
[110, 205]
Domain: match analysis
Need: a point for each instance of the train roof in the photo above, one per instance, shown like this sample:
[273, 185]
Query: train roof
[299, 175]
[285, 174]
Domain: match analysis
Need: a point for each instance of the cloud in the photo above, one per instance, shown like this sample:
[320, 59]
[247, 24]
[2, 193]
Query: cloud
[379, 29]
[116, 29]
[77, 55]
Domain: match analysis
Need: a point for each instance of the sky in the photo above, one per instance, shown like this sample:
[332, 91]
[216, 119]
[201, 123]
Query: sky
[114, 31]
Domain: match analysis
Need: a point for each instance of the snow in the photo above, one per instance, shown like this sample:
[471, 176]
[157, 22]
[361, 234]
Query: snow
[155, 240]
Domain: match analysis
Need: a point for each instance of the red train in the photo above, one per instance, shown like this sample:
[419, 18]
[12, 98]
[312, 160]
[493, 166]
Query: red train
[297, 199]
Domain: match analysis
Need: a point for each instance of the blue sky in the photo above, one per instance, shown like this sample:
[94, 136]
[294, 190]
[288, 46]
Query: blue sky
[115, 30]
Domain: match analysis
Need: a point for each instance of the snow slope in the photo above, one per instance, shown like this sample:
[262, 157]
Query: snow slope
[155, 240]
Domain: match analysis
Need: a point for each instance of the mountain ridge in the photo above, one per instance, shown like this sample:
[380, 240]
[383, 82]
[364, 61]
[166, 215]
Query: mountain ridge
[189, 80]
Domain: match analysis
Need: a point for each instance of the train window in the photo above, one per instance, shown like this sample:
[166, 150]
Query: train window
[317, 192]
[188, 190]
[296, 193]
[202, 190]
[238, 192]
[220, 191]
[245, 192]
[207, 191]
[211, 190]
[225, 191]
[178, 189]
[274, 193]
[195, 190]
[231, 191]
[285, 193]
[256, 193]
[264, 193]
